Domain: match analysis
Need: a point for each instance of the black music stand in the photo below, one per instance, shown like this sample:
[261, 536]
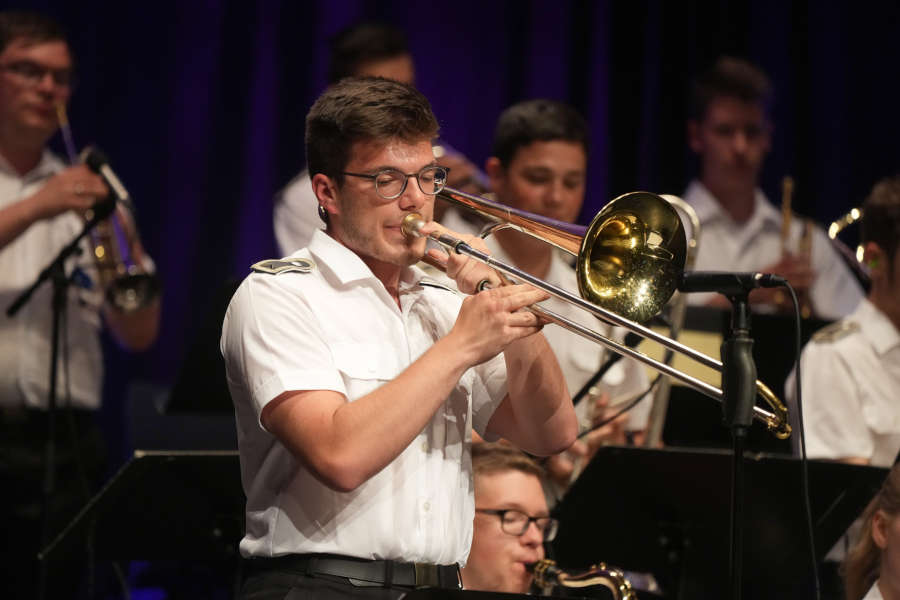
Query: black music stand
[667, 512]
[440, 594]
[175, 505]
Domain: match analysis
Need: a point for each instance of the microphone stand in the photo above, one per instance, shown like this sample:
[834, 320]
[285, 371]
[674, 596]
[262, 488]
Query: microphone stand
[739, 395]
[55, 273]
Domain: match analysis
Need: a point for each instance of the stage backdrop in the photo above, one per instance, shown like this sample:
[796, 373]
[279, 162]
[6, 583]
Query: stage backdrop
[200, 106]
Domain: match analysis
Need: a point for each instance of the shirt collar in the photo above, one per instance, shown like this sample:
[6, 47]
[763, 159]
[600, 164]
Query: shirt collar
[708, 208]
[47, 166]
[346, 265]
[876, 327]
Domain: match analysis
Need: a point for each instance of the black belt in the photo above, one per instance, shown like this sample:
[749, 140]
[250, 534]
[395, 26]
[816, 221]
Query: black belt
[361, 571]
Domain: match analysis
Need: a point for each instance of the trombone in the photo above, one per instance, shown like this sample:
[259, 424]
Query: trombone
[628, 263]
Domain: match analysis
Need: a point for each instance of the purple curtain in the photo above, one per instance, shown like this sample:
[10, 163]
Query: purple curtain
[200, 106]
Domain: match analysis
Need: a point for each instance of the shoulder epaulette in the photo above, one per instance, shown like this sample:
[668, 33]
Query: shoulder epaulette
[284, 265]
[835, 331]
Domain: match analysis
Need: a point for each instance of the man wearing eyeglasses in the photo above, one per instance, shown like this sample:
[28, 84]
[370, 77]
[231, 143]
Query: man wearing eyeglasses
[512, 521]
[41, 206]
[357, 381]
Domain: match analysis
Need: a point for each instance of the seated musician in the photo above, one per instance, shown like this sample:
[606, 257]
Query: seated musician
[539, 165]
[872, 568]
[357, 382]
[851, 369]
[512, 521]
[730, 132]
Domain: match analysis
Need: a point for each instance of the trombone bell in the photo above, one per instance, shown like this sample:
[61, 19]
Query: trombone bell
[632, 255]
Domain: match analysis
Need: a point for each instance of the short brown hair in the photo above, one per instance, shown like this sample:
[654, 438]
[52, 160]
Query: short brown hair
[537, 121]
[363, 109]
[361, 44]
[497, 457]
[32, 26]
[863, 562]
[730, 78]
[881, 216]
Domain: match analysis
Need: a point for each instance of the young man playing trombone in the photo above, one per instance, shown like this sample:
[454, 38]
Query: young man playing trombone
[357, 382]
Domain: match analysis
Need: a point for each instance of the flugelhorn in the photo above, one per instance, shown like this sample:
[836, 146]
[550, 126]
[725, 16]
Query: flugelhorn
[629, 261]
[548, 575]
[128, 283]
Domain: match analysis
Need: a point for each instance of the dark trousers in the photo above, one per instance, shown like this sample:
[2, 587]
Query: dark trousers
[79, 459]
[285, 585]
[295, 577]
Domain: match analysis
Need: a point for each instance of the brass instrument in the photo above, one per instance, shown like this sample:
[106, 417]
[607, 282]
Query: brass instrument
[842, 223]
[804, 246]
[128, 284]
[629, 260]
[548, 575]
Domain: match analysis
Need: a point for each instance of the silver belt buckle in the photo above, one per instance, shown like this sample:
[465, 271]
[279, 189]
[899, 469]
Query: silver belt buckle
[426, 575]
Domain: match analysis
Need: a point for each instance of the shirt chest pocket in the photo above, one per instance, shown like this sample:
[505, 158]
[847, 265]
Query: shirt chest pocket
[366, 366]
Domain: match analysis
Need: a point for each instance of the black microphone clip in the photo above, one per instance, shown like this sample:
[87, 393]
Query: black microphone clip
[98, 162]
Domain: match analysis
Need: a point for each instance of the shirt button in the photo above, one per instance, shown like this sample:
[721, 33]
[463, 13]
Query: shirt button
[425, 446]
[427, 506]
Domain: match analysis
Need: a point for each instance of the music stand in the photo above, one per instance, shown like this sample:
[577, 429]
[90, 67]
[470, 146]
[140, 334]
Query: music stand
[442, 594]
[176, 505]
[667, 512]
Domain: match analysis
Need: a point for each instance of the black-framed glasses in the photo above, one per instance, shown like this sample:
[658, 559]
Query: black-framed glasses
[391, 183]
[515, 522]
[33, 73]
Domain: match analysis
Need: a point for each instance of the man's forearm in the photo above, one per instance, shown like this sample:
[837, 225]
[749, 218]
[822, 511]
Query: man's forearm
[346, 443]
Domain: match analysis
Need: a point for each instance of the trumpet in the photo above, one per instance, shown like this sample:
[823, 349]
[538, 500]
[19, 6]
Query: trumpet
[547, 574]
[629, 261]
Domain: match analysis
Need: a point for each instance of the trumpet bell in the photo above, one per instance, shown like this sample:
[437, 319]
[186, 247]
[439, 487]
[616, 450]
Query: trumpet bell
[132, 292]
[632, 255]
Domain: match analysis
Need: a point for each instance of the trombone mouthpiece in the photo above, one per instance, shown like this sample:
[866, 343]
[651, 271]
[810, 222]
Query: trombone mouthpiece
[411, 225]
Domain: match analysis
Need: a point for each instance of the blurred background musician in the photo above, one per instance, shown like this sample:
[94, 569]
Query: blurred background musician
[41, 206]
[872, 568]
[730, 131]
[539, 165]
[851, 369]
[364, 49]
[512, 520]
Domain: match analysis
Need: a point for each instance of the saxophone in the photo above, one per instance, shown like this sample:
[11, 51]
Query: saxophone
[548, 575]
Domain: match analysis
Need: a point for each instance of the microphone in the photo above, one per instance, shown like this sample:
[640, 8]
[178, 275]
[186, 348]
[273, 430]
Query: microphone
[727, 283]
[98, 162]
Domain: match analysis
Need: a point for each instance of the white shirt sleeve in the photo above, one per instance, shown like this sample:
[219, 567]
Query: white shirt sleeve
[833, 414]
[272, 343]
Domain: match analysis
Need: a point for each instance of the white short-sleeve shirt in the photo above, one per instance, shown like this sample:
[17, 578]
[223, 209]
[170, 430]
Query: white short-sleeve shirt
[850, 381]
[25, 338]
[337, 328]
[752, 246]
